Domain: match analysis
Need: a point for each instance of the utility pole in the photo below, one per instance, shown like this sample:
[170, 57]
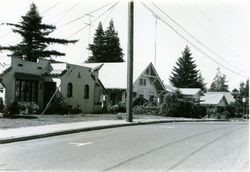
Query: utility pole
[155, 38]
[130, 60]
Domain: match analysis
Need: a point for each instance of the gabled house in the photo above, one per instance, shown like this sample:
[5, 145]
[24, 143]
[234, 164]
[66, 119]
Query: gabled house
[214, 103]
[228, 95]
[37, 82]
[146, 82]
[193, 94]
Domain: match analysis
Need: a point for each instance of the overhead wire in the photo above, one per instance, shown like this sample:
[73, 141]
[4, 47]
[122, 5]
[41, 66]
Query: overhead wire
[197, 48]
[50, 8]
[196, 39]
[94, 20]
[78, 18]
[67, 12]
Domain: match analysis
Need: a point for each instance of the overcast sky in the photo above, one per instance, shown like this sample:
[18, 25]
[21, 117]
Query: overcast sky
[220, 26]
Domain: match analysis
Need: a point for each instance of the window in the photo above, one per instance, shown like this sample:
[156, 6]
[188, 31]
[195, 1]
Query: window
[69, 90]
[26, 90]
[86, 91]
[142, 81]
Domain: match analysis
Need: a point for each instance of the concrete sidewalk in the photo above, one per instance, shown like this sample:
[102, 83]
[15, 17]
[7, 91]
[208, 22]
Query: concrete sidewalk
[27, 133]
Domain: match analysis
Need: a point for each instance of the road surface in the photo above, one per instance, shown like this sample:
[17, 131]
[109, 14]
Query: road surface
[206, 146]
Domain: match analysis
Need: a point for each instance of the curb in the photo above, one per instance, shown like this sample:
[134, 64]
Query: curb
[58, 133]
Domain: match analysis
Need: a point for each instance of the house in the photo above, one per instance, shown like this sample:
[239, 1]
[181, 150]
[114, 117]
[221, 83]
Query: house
[213, 103]
[228, 95]
[37, 82]
[193, 94]
[146, 82]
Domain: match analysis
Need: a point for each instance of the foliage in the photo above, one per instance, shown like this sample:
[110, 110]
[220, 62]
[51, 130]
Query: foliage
[140, 101]
[106, 45]
[185, 74]
[35, 38]
[175, 105]
[27, 107]
[243, 92]
[75, 110]
[219, 83]
[121, 107]
[147, 109]
[11, 109]
[58, 106]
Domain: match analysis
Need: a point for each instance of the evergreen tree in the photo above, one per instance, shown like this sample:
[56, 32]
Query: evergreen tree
[35, 38]
[106, 46]
[219, 83]
[185, 74]
[98, 46]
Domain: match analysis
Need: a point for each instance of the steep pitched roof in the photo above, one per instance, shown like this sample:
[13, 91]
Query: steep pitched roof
[114, 75]
[212, 99]
[228, 96]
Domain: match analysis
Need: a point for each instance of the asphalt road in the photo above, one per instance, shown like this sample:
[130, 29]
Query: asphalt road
[158, 147]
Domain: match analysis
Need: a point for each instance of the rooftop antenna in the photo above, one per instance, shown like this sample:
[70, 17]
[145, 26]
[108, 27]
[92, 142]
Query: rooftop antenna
[89, 24]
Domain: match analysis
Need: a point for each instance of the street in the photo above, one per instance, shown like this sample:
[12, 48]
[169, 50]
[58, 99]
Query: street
[187, 146]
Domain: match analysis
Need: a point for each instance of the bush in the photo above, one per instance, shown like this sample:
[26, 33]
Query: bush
[224, 115]
[76, 110]
[58, 106]
[11, 109]
[27, 107]
[147, 109]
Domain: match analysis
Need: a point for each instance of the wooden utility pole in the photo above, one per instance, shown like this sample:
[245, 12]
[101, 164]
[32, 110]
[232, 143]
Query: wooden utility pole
[130, 55]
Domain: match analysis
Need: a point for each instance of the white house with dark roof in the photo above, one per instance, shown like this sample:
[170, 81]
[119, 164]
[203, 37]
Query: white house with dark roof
[214, 102]
[36, 82]
[146, 82]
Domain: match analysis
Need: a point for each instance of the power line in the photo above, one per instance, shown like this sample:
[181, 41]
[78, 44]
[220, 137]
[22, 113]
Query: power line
[196, 39]
[93, 20]
[53, 6]
[197, 48]
[78, 18]
[67, 12]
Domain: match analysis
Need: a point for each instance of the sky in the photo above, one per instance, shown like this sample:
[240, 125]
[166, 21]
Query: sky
[214, 31]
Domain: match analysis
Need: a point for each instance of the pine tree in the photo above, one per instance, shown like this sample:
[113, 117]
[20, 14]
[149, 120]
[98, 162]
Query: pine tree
[219, 83]
[106, 45]
[98, 47]
[35, 38]
[185, 74]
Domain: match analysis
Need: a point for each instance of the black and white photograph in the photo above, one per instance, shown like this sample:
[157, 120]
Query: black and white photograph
[126, 86]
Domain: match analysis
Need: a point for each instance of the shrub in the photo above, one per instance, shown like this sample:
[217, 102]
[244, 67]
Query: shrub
[11, 109]
[224, 115]
[27, 107]
[58, 106]
[76, 110]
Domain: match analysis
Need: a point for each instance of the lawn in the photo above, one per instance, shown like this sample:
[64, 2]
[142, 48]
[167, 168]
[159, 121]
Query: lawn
[38, 120]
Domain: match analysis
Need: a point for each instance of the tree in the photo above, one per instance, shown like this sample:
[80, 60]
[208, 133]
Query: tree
[243, 92]
[219, 83]
[106, 46]
[98, 47]
[35, 38]
[185, 74]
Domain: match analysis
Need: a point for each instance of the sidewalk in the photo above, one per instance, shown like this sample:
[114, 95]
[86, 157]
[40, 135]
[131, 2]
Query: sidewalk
[27, 133]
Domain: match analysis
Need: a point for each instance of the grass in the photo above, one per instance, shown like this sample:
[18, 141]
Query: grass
[38, 120]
